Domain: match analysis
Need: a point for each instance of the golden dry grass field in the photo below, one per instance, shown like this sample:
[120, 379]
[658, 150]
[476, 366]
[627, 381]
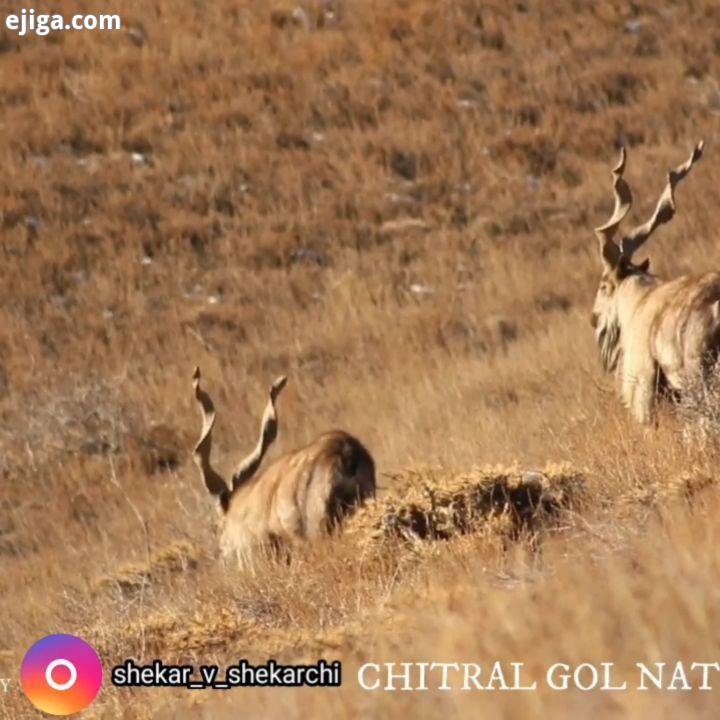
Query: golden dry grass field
[391, 202]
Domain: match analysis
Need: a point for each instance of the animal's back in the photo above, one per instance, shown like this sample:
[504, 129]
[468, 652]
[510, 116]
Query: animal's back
[685, 331]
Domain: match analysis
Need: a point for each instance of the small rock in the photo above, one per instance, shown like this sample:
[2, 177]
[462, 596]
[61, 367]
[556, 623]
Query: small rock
[418, 289]
[634, 26]
[404, 224]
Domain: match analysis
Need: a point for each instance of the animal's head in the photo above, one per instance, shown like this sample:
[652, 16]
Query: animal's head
[617, 257]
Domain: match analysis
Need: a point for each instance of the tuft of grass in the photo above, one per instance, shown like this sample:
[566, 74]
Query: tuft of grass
[177, 557]
[699, 409]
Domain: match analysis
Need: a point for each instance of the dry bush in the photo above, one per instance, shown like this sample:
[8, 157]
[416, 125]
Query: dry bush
[699, 409]
[433, 505]
[177, 557]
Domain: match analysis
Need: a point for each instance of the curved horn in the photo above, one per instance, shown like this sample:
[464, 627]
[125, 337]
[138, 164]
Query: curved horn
[214, 482]
[665, 209]
[609, 250]
[623, 200]
[268, 433]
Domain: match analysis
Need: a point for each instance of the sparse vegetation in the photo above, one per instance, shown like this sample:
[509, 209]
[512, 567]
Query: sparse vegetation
[392, 203]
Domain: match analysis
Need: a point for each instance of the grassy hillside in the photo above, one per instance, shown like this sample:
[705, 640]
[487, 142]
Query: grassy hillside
[393, 203]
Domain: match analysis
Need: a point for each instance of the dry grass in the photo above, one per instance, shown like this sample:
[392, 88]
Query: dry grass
[430, 505]
[392, 204]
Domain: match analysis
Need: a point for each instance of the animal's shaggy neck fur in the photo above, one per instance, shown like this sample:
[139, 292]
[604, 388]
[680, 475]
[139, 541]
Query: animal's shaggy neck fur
[633, 289]
[608, 340]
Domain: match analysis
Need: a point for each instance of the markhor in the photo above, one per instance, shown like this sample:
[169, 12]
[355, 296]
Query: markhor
[442, 676]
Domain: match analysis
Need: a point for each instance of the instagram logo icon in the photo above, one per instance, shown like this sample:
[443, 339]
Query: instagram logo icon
[61, 674]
